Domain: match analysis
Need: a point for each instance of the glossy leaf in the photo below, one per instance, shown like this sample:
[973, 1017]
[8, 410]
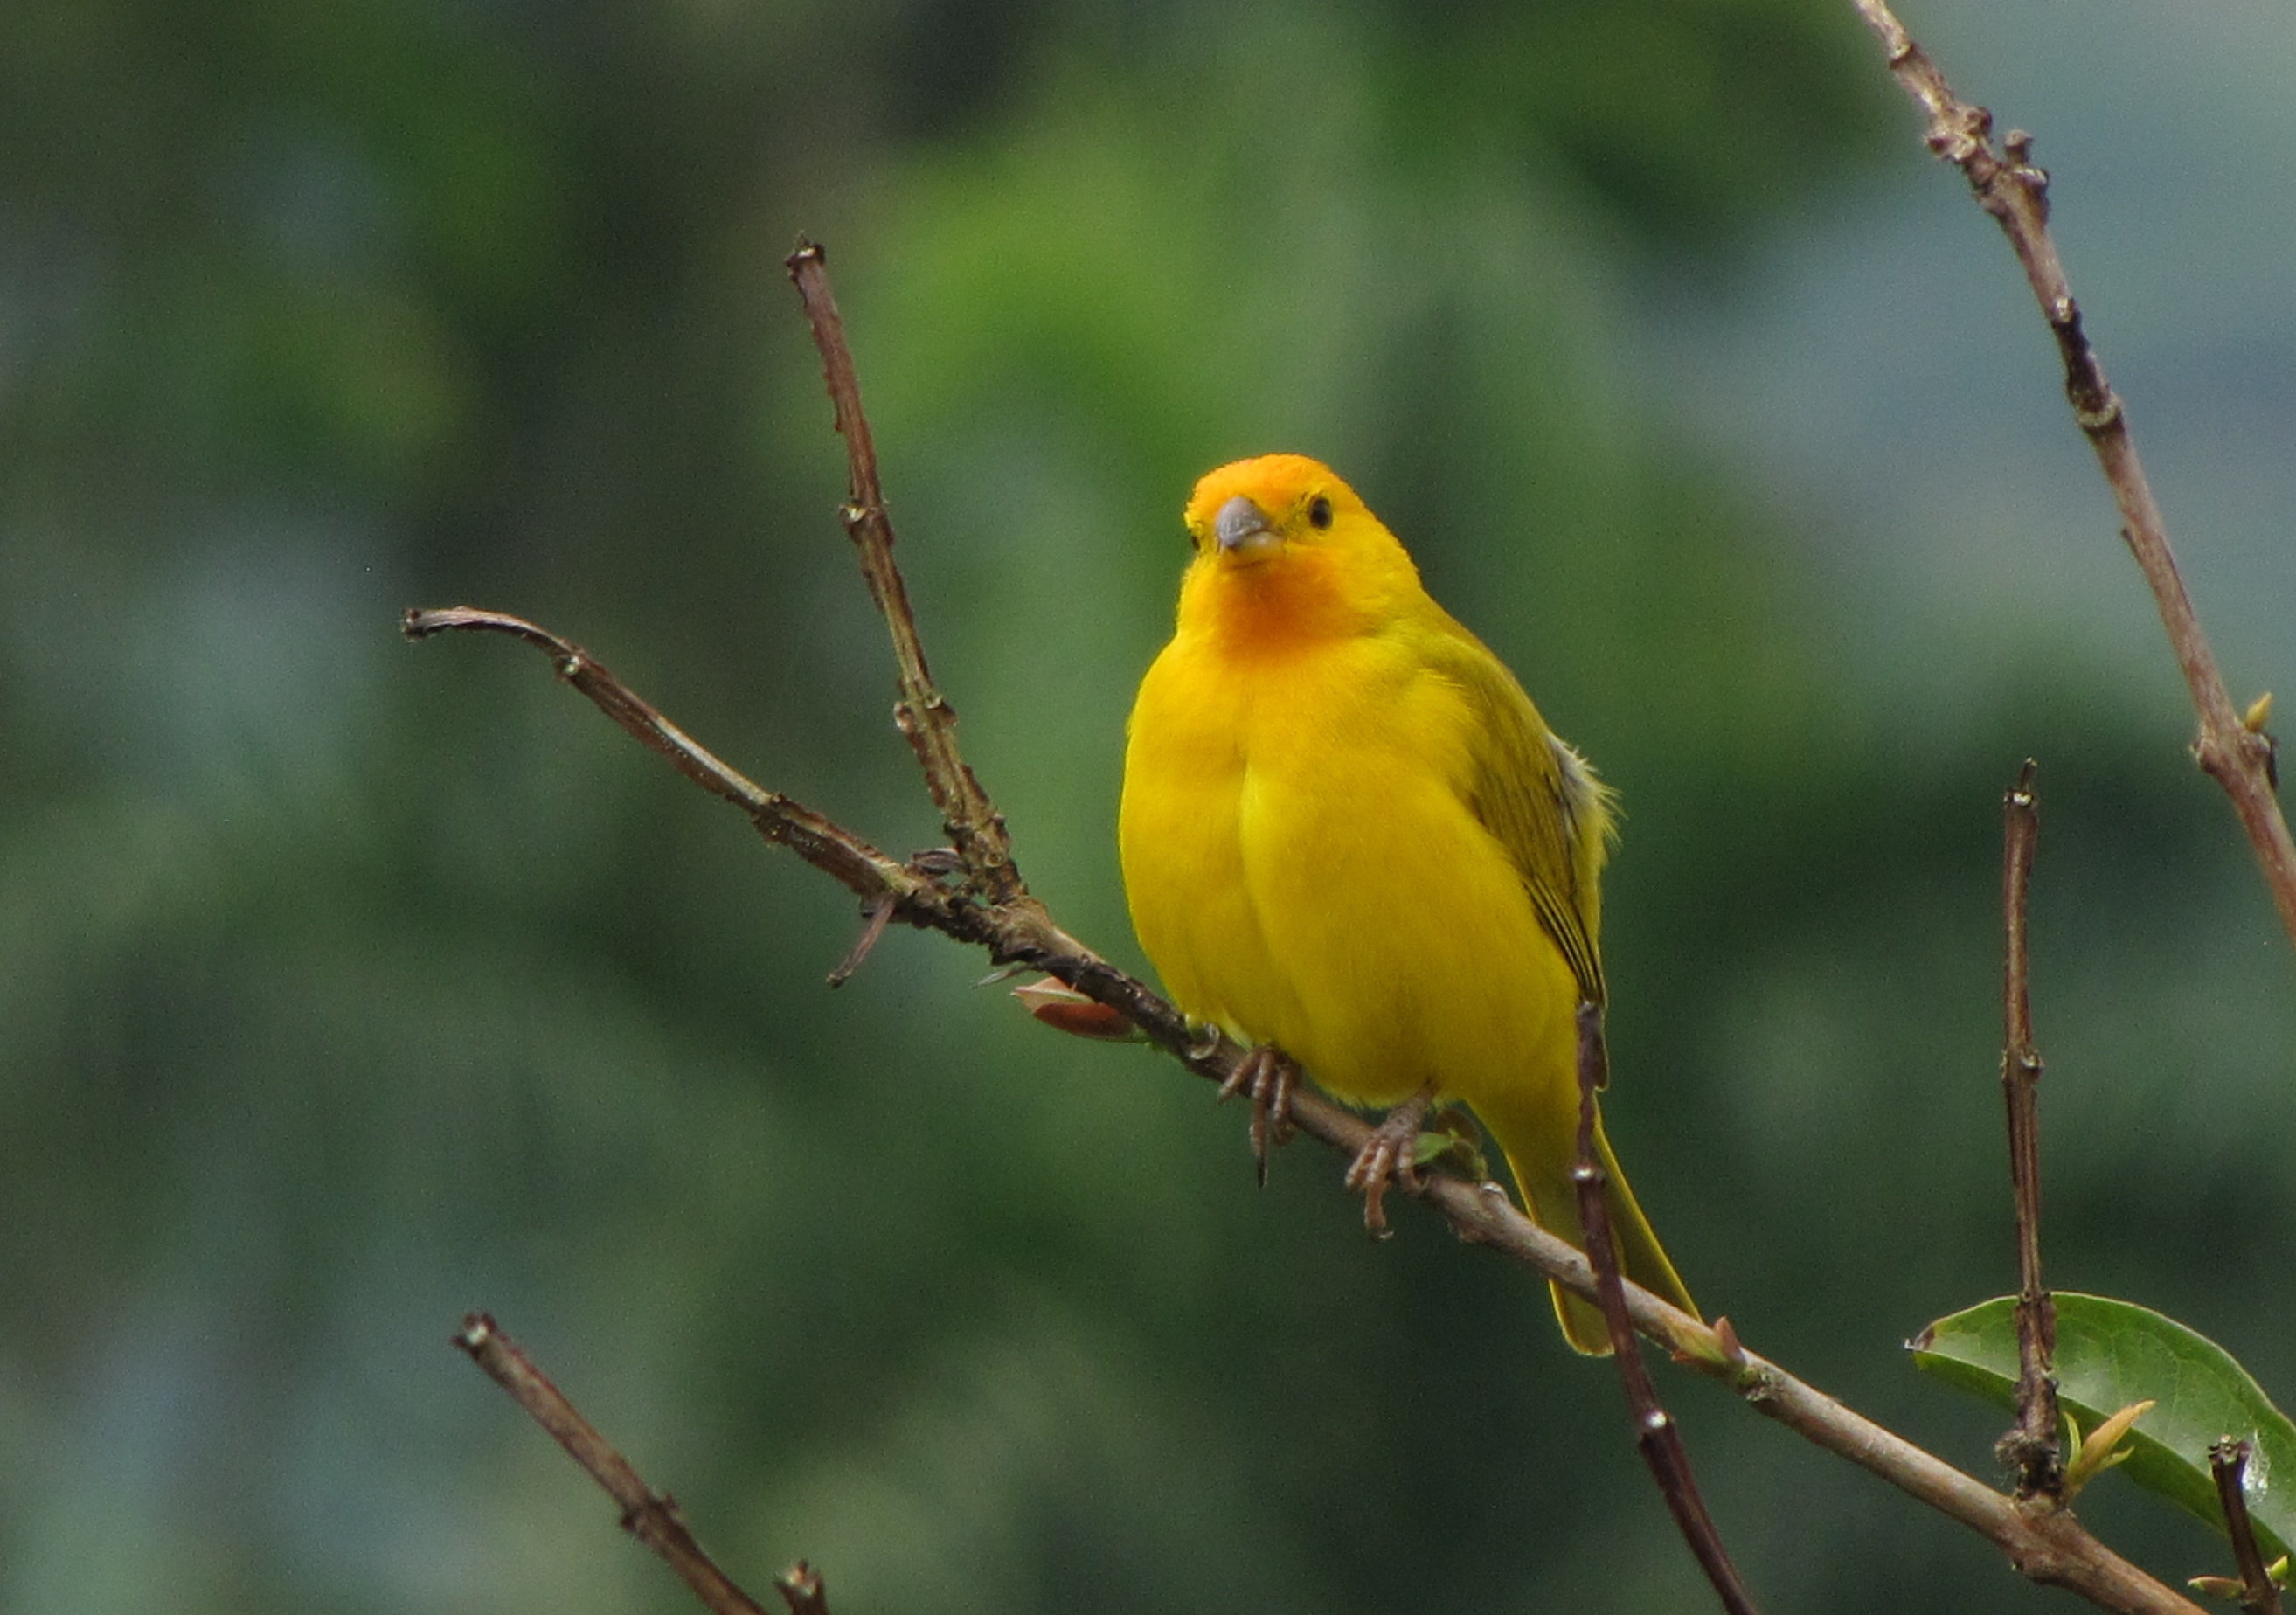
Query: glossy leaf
[2112, 1353]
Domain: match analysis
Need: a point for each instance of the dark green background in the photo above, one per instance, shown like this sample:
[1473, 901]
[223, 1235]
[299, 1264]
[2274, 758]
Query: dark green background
[345, 985]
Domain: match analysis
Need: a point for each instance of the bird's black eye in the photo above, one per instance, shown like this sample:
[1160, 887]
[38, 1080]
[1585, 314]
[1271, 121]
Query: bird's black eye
[1319, 512]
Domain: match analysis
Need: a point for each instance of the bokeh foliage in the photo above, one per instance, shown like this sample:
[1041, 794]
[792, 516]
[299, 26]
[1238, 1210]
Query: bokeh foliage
[345, 985]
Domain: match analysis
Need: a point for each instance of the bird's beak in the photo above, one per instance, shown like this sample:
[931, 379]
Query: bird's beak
[1242, 530]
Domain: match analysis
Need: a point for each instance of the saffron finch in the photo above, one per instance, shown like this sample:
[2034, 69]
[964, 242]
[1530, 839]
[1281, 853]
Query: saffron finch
[1347, 835]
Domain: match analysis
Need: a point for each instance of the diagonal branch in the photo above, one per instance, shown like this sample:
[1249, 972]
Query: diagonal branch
[828, 847]
[1655, 1431]
[923, 714]
[2031, 1447]
[2233, 749]
[647, 1514]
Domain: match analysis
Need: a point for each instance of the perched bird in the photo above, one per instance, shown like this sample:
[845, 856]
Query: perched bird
[1349, 836]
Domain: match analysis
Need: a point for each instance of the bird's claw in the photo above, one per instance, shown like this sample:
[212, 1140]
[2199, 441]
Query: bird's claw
[1390, 1156]
[1268, 1074]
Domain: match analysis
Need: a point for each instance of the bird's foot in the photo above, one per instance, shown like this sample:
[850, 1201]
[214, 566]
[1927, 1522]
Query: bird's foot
[1391, 1155]
[1268, 1075]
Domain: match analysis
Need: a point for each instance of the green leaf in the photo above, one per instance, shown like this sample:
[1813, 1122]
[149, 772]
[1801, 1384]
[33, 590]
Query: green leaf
[2112, 1353]
[1452, 1137]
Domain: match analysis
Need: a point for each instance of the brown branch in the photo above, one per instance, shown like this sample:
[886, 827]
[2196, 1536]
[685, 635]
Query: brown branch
[2228, 1462]
[1656, 1434]
[2236, 753]
[2051, 1548]
[2030, 1447]
[861, 868]
[975, 827]
[647, 1514]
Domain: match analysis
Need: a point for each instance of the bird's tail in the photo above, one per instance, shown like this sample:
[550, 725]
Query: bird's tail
[1551, 1198]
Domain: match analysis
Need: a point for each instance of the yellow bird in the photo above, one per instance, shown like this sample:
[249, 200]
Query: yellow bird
[1349, 835]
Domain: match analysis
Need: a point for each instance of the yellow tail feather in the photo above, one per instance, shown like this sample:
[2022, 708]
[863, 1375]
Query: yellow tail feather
[1553, 1201]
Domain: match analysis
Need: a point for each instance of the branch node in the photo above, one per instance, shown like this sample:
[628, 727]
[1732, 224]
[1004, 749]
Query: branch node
[2228, 1462]
[649, 1515]
[2103, 416]
[801, 1588]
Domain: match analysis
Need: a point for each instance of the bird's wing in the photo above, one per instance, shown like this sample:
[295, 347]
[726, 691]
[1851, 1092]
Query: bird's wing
[1539, 798]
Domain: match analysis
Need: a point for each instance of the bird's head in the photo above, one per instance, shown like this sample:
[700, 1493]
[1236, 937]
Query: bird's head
[1248, 513]
[1283, 534]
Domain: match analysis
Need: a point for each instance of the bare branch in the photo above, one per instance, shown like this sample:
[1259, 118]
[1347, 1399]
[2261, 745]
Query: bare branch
[2236, 753]
[1655, 1432]
[2228, 1462]
[830, 847]
[2031, 1449]
[647, 1514]
[922, 712]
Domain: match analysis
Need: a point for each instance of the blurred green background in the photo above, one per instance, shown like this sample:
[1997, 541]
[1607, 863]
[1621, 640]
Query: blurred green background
[345, 985]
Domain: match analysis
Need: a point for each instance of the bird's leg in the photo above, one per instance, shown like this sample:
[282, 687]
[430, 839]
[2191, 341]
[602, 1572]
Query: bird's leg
[1268, 1075]
[1390, 1156]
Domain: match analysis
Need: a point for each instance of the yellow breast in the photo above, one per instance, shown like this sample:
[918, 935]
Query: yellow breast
[1304, 869]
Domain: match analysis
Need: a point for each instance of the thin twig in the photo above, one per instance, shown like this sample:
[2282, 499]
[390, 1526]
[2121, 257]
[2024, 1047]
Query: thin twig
[879, 915]
[2031, 1447]
[922, 712]
[2228, 1462]
[2235, 752]
[828, 847]
[647, 1514]
[1655, 1431]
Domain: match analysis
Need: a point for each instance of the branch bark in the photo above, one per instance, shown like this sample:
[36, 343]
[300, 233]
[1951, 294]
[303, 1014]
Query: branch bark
[976, 829]
[1656, 1434]
[649, 1515]
[2234, 750]
[2031, 1447]
[2228, 1464]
